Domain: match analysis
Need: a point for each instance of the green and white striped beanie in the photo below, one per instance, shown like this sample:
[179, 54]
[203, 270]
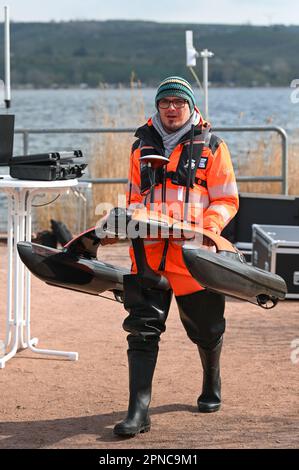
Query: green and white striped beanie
[176, 86]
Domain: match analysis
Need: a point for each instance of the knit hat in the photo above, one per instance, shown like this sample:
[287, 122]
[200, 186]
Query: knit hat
[176, 86]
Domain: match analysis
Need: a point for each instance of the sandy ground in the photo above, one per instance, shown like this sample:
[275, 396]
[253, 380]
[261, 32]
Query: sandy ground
[49, 402]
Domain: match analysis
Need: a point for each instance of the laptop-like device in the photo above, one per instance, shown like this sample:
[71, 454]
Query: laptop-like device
[7, 127]
[51, 157]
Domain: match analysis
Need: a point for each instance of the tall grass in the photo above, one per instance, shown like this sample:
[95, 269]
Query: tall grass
[67, 208]
[109, 159]
[294, 169]
[264, 159]
[110, 152]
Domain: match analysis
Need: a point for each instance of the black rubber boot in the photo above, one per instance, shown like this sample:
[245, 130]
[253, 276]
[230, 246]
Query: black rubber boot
[202, 314]
[141, 370]
[148, 310]
[210, 398]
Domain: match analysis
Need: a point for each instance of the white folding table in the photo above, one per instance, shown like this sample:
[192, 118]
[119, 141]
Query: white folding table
[20, 194]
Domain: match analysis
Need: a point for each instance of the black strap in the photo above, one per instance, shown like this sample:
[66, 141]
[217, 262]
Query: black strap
[197, 157]
[190, 174]
[199, 181]
[163, 259]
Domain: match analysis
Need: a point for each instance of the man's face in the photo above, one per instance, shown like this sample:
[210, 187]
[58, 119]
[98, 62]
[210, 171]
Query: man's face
[173, 118]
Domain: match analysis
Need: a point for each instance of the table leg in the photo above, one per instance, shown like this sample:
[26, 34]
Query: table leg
[9, 319]
[21, 237]
[13, 321]
[18, 334]
[73, 356]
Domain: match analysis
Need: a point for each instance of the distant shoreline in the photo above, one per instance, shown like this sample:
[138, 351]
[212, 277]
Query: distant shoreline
[120, 53]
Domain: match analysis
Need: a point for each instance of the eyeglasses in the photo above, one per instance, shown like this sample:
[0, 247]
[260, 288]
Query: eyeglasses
[177, 104]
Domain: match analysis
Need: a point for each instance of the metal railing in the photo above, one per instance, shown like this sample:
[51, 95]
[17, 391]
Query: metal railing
[283, 178]
[284, 154]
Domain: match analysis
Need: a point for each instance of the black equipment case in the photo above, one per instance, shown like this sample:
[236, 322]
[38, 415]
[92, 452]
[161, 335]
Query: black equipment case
[260, 209]
[276, 249]
[48, 166]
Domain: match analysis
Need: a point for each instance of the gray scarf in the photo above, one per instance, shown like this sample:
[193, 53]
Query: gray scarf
[171, 139]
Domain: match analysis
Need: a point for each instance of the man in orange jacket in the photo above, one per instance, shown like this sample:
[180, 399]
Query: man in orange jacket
[214, 202]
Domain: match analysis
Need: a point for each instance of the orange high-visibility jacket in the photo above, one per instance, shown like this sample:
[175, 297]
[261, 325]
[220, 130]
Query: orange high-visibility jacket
[213, 198]
[215, 186]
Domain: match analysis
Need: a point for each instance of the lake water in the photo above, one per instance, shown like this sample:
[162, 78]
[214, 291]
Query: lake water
[127, 108]
[91, 108]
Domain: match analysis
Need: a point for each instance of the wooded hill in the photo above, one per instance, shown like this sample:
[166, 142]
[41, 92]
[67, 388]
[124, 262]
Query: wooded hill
[97, 52]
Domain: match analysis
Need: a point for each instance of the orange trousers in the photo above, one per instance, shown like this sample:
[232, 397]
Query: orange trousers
[176, 272]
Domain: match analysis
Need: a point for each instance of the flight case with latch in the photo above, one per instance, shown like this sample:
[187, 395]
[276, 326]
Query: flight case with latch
[276, 249]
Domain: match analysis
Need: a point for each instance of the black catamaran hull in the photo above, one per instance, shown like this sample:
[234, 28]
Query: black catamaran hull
[228, 273]
[63, 269]
[76, 267]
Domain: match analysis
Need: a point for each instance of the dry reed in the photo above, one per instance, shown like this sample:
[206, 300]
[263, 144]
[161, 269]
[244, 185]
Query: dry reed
[109, 159]
[67, 208]
[110, 153]
[265, 159]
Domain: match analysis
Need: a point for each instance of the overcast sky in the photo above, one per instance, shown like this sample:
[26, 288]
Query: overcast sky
[260, 12]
